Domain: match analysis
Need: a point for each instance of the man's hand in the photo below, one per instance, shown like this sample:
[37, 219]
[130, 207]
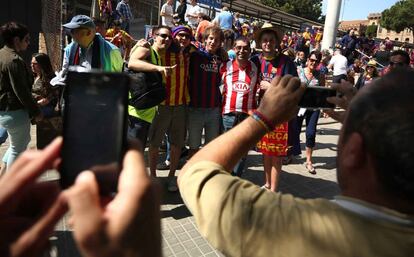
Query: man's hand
[166, 70]
[348, 92]
[29, 209]
[280, 101]
[129, 225]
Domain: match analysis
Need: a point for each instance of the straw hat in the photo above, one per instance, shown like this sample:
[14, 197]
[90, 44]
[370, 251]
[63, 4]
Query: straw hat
[268, 27]
[372, 63]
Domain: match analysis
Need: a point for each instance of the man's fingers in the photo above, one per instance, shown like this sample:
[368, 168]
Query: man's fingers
[36, 238]
[83, 199]
[338, 101]
[275, 81]
[134, 171]
[26, 169]
[336, 115]
[293, 84]
[284, 80]
[174, 66]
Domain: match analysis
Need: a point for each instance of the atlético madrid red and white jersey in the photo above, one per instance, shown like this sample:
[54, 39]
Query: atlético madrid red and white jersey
[240, 86]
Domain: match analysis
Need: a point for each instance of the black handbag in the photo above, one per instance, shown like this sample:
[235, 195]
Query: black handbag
[146, 90]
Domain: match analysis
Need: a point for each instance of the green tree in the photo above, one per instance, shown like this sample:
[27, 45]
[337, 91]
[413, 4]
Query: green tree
[399, 17]
[371, 30]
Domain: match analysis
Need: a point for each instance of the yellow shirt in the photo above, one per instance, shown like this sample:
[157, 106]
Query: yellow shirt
[240, 219]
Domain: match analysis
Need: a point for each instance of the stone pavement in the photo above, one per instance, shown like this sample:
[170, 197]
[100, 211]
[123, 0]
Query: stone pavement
[179, 232]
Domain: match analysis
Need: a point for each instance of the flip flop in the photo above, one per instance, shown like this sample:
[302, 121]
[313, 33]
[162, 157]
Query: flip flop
[310, 168]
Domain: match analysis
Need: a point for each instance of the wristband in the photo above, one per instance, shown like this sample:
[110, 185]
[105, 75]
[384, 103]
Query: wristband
[260, 121]
[266, 121]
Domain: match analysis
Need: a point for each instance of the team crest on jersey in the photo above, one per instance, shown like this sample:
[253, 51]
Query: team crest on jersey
[240, 86]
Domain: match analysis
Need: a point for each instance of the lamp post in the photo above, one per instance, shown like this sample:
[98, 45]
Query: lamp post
[331, 24]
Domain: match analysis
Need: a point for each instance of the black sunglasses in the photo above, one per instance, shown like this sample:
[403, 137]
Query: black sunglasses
[164, 36]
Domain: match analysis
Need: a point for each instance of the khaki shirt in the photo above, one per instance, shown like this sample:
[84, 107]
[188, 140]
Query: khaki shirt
[240, 219]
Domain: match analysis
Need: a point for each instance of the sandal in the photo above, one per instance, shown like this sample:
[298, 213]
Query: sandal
[310, 168]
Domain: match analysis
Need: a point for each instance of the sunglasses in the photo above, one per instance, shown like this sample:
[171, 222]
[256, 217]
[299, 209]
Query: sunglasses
[313, 60]
[164, 36]
[399, 64]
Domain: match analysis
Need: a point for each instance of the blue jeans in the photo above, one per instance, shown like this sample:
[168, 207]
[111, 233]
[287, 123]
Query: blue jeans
[311, 118]
[17, 124]
[199, 119]
[228, 123]
[138, 129]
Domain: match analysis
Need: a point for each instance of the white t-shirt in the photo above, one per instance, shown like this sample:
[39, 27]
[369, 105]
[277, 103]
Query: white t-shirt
[167, 20]
[340, 63]
[193, 10]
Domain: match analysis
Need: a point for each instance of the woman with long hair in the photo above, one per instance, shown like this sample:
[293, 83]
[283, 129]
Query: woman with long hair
[17, 106]
[311, 77]
[47, 99]
[369, 75]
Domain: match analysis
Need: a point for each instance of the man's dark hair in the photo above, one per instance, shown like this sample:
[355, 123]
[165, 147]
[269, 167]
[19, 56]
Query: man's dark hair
[12, 29]
[383, 115]
[403, 54]
[243, 39]
[156, 29]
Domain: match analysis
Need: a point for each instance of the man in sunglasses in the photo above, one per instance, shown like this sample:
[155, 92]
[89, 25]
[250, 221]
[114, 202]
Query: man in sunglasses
[398, 59]
[88, 48]
[171, 115]
[148, 59]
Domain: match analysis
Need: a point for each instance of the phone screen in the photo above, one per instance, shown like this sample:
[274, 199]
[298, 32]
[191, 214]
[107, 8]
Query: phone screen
[94, 127]
[315, 97]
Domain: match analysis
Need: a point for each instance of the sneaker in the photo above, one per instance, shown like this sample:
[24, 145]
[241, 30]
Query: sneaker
[172, 185]
[163, 165]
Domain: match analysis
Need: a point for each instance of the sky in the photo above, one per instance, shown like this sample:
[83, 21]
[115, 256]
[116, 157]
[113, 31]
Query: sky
[359, 9]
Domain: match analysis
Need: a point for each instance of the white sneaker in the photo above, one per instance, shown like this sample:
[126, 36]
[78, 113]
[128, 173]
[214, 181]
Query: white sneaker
[172, 185]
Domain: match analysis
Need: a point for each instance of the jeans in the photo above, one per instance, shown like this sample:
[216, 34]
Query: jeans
[17, 124]
[311, 118]
[199, 119]
[138, 129]
[228, 123]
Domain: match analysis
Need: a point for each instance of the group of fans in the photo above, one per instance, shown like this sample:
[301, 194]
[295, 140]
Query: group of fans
[215, 75]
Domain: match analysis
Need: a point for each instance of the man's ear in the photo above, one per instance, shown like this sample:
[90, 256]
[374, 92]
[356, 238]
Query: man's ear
[353, 153]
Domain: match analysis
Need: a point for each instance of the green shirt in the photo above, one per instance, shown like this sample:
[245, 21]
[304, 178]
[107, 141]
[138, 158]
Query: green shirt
[146, 114]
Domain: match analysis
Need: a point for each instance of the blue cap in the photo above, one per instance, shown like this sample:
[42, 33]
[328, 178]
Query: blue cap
[80, 21]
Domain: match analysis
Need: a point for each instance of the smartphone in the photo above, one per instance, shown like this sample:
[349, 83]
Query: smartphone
[94, 127]
[315, 97]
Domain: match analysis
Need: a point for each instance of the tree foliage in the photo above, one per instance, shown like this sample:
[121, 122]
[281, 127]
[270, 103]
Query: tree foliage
[371, 30]
[399, 17]
[309, 9]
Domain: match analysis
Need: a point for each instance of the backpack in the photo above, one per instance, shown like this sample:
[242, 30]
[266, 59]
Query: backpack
[147, 89]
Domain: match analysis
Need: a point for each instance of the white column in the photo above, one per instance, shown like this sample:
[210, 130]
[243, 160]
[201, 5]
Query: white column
[331, 23]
